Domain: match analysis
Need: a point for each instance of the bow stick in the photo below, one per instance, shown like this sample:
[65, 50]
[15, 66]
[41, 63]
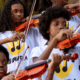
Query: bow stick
[26, 31]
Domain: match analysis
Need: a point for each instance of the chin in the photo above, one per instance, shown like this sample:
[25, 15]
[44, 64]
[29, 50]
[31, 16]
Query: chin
[1, 75]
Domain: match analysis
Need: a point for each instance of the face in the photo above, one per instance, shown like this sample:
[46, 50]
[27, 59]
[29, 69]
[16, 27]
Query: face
[60, 2]
[3, 64]
[55, 26]
[17, 12]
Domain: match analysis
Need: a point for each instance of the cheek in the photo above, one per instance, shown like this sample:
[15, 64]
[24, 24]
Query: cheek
[5, 69]
[22, 16]
[13, 17]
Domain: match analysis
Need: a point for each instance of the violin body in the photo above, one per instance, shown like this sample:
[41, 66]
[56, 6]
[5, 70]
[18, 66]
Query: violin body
[74, 13]
[32, 73]
[69, 42]
[21, 27]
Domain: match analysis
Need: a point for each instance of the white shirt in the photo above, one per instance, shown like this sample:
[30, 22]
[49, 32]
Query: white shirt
[74, 22]
[33, 39]
[72, 73]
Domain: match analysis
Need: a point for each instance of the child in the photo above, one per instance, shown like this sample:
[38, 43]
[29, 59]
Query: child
[12, 14]
[4, 58]
[74, 21]
[52, 26]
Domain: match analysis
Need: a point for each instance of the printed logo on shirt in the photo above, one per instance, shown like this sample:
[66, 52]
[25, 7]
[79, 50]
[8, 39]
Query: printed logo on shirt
[67, 25]
[71, 28]
[63, 71]
[14, 59]
[15, 48]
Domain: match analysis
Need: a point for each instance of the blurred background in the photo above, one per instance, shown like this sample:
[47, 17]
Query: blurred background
[40, 5]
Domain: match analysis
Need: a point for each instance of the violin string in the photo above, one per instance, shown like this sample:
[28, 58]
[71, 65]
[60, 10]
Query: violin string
[20, 63]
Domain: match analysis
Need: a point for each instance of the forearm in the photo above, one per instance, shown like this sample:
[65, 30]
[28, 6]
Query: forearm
[48, 50]
[6, 40]
[50, 75]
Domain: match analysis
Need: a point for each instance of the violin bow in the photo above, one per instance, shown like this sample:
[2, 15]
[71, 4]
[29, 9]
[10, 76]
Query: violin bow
[30, 17]
[26, 31]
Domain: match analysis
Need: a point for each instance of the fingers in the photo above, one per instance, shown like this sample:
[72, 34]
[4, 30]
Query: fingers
[22, 36]
[72, 7]
[57, 58]
[9, 77]
[67, 34]
[19, 36]
[25, 19]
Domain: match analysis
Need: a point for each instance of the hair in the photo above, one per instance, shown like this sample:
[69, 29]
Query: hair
[50, 14]
[4, 50]
[5, 18]
[39, 7]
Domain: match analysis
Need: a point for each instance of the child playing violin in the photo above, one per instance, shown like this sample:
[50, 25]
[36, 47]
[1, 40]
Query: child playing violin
[74, 20]
[52, 26]
[4, 58]
[12, 15]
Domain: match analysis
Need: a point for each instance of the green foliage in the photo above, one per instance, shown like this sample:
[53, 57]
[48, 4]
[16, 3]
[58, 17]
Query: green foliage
[2, 3]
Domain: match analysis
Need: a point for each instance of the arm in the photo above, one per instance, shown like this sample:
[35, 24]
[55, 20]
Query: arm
[15, 37]
[63, 34]
[56, 60]
[73, 7]
[6, 40]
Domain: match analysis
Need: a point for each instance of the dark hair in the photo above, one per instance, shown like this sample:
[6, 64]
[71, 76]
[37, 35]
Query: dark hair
[4, 50]
[5, 18]
[50, 14]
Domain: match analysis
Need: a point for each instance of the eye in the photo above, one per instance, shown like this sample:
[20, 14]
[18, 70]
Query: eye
[15, 11]
[21, 11]
[56, 24]
[5, 63]
[64, 24]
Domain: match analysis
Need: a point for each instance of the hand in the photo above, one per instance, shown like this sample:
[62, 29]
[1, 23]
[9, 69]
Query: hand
[18, 36]
[73, 7]
[9, 77]
[25, 19]
[56, 60]
[64, 34]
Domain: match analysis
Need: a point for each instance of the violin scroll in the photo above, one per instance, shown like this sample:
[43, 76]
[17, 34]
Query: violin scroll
[73, 57]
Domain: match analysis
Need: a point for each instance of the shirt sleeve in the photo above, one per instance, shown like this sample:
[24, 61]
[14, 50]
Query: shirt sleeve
[36, 52]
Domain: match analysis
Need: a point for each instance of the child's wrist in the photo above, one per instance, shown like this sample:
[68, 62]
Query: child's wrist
[9, 39]
[56, 39]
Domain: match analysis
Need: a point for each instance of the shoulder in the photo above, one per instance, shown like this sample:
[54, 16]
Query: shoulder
[37, 51]
[6, 34]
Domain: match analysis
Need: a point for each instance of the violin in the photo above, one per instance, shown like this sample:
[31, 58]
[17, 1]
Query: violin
[74, 13]
[69, 42]
[34, 22]
[37, 69]
[21, 27]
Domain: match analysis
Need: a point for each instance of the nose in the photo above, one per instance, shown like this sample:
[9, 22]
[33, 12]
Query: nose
[61, 27]
[18, 14]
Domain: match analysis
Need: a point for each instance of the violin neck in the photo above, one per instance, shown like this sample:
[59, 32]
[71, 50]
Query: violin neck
[37, 64]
